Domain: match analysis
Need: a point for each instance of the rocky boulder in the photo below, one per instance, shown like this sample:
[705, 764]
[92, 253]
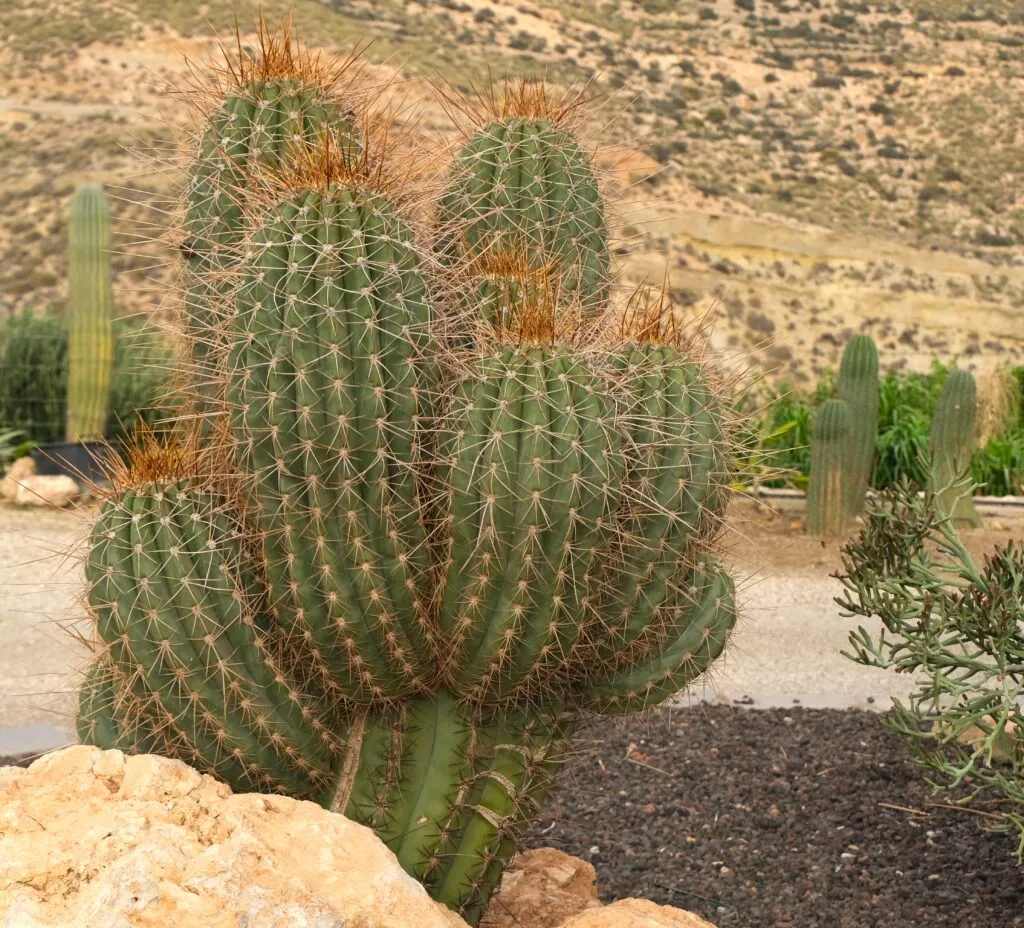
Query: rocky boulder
[636, 913]
[546, 888]
[91, 837]
[22, 486]
[543, 888]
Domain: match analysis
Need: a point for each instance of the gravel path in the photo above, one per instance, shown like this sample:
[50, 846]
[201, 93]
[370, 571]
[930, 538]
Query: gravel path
[778, 819]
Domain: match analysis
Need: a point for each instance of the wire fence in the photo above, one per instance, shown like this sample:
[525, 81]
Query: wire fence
[34, 376]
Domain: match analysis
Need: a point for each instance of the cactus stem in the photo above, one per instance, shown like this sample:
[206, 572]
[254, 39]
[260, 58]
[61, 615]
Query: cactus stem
[350, 764]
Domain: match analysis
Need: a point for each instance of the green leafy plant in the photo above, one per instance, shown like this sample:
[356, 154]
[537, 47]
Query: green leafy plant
[406, 544]
[772, 438]
[907, 402]
[959, 627]
[33, 375]
[998, 468]
[9, 446]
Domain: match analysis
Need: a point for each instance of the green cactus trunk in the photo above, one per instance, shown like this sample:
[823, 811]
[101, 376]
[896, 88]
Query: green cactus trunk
[262, 128]
[858, 388]
[952, 443]
[828, 490]
[525, 187]
[451, 791]
[533, 479]
[90, 316]
[331, 383]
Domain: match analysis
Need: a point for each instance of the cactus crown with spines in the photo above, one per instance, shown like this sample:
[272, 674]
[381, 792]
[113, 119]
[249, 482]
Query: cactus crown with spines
[420, 555]
[523, 195]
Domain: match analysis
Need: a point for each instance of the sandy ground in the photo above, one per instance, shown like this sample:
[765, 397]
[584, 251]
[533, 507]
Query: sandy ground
[786, 649]
[40, 577]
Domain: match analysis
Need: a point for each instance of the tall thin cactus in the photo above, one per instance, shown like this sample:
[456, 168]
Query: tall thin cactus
[828, 490]
[90, 316]
[858, 387]
[952, 442]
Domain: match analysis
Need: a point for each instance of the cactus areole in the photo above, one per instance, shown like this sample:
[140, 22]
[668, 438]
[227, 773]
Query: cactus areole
[404, 569]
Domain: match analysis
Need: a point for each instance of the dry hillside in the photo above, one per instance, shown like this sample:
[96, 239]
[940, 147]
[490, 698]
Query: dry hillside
[815, 167]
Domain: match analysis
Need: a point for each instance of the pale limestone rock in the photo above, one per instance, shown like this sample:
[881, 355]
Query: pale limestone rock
[95, 838]
[636, 913]
[15, 474]
[55, 490]
[541, 889]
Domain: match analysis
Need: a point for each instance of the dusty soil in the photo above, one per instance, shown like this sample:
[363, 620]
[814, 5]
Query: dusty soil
[778, 819]
[770, 536]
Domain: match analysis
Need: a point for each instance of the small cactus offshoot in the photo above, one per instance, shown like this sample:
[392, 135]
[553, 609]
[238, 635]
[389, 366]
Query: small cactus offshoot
[858, 388]
[404, 545]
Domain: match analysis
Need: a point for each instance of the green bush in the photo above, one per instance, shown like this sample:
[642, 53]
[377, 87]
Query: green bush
[959, 627]
[998, 467]
[33, 375]
[906, 405]
[787, 443]
[34, 370]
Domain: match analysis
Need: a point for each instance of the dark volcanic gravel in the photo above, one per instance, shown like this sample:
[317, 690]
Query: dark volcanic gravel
[775, 819]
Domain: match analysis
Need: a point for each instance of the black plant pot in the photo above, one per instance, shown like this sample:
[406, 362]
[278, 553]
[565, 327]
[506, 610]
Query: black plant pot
[83, 460]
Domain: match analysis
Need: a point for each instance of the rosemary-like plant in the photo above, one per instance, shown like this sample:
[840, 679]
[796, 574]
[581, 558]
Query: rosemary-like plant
[960, 627]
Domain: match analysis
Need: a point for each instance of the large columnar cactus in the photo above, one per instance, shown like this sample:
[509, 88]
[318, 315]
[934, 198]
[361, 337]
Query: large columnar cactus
[951, 445]
[90, 316]
[330, 375]
[828, 490]
[523, 196]
[413, 565]
[858, 388]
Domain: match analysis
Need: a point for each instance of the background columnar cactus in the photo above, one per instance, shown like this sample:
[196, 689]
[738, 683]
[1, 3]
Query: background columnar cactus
[858, 388]
[828, 491]
[420, 551]
[952, 442]
[90, 312]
